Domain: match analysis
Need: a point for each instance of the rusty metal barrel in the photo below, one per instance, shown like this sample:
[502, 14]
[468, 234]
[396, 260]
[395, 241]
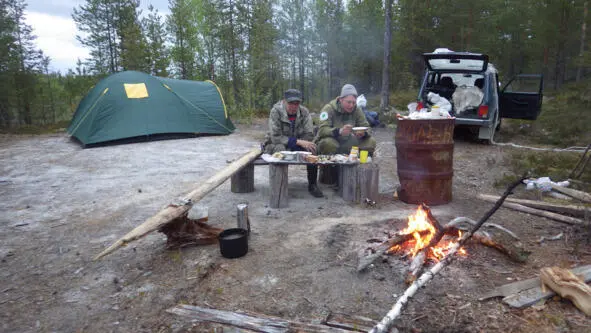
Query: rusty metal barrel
[424, 150]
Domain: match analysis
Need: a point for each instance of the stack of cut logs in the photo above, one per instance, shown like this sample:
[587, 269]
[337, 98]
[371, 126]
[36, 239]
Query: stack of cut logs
[572, 213]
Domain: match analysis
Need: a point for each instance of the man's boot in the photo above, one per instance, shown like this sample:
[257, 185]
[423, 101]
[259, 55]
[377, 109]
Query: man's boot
[312, 185]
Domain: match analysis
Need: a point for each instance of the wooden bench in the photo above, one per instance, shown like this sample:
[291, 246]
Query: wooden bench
[356, 182]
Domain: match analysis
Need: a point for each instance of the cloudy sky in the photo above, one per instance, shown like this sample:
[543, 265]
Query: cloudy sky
[56, 31]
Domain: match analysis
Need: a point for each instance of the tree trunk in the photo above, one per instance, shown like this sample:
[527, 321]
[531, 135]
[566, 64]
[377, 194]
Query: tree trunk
[384, 103]
[582, 50]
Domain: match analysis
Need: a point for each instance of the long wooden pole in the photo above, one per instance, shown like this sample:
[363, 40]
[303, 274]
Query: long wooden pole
[543, 213]
[583, 196]
[576, 210]
[175, 210]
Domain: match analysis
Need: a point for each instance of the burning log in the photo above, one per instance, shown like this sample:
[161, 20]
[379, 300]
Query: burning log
[386, 323]
[383, 248]
[437, 232]
[512, 247]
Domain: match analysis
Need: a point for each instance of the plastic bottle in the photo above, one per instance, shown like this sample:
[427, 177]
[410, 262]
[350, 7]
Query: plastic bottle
[354, 154]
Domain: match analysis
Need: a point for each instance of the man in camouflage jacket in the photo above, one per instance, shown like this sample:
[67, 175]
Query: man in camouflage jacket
[291, 128]
[337, 119]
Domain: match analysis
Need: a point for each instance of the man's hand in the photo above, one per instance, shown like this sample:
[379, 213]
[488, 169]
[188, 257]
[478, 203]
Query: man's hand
[307, 145]
[346, 130]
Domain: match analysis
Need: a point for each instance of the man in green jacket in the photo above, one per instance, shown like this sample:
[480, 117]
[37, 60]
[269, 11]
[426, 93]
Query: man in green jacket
[291, 129]
[337, 119]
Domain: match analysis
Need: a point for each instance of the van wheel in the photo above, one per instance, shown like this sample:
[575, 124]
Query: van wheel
[498, 128]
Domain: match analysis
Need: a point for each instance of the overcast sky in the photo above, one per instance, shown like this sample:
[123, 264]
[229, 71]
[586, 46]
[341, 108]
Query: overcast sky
[56, 31]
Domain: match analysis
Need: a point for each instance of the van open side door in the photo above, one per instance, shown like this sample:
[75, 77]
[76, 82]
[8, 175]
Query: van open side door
[521, 98]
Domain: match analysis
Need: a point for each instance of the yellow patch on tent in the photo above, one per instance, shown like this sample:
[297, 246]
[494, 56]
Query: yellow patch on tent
[136, 90]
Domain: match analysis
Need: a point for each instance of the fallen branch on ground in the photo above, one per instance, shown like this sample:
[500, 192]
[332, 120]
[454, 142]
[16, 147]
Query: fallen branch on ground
[175, 210]
[580, 195]
[386, 323]
[263, 323]
[542, 213]
[578, 211]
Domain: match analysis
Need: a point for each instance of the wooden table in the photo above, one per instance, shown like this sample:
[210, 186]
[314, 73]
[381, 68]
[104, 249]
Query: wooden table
[356, 181]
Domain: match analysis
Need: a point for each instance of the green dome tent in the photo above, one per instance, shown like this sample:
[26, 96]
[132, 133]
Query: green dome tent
[135, 105]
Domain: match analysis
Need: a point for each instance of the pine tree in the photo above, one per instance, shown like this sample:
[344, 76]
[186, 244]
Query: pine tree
[27, 60]
[182, 26]
[98, 20]
[158, 54]
[132, 42]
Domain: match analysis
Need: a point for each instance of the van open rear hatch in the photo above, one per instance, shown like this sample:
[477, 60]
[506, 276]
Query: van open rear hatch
[456, 61]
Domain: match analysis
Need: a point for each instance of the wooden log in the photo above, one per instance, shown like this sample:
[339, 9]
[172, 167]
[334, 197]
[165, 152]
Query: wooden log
[368, 178]
[254, 322]
[538, 212]
[516, 287]
[533, 295]
[514, 250]
[243, 180]
[416, 266]
[578, 211]
[278, 185]
[580, 195]
[175, 210]
[398, 238]
[183, 231]
[418, 262]
[348, 322]
[348, 182]
[568, 286]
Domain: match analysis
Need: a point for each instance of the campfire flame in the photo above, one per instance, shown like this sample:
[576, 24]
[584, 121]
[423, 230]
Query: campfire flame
[423, 231]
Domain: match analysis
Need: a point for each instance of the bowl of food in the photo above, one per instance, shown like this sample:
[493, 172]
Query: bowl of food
[360, 130]
[289, 155]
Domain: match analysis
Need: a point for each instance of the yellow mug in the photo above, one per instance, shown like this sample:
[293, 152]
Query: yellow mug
[363, 156]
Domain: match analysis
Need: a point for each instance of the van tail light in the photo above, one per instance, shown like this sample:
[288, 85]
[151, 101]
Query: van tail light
[420, 106]
[483, 111]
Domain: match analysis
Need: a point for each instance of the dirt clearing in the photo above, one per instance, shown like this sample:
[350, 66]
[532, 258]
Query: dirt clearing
[61, 205]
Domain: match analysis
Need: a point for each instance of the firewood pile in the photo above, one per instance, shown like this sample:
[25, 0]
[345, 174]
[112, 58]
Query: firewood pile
[577, 213]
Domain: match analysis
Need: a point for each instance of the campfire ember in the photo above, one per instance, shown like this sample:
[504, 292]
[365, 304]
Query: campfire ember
[423, 227]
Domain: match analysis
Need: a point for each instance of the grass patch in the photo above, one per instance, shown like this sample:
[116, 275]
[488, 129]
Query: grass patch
[400, 99]
[556, 165]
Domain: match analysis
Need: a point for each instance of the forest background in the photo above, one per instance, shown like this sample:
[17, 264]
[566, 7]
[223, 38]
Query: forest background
[255, 49]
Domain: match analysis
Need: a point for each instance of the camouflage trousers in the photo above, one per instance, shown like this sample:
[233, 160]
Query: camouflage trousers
[342, 145]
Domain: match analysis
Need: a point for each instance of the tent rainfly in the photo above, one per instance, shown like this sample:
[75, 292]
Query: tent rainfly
[135, 105]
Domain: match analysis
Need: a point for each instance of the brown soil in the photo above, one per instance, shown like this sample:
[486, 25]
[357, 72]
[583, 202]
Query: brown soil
[61, 205]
